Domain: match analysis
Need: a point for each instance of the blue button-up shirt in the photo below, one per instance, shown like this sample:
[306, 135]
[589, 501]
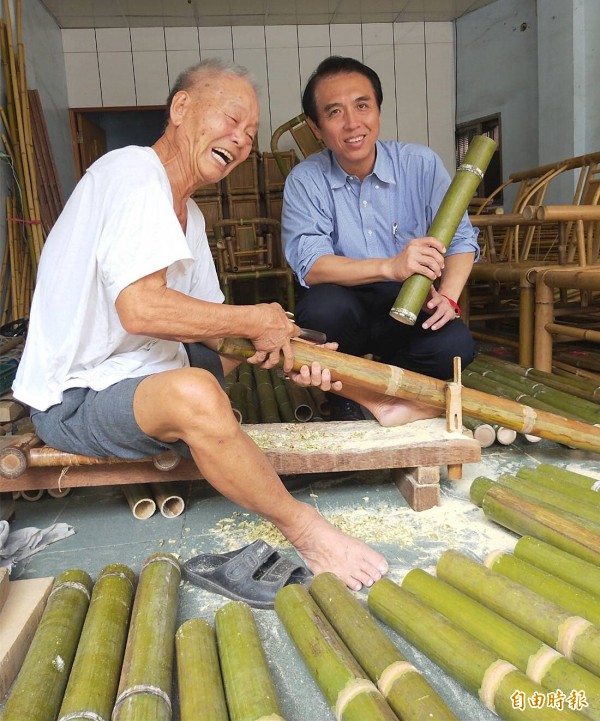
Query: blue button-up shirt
[326, 211]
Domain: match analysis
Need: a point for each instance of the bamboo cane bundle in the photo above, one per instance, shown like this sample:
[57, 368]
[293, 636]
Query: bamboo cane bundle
[201, 694]
[452, 208]
[580, 359]
[38, 690]
[478, 669]
[267, 402]
[563, 565]
[400, 383]
[246, 377]
[562, 367]
[145, 682]
[544, 470]
[590, 384]
[282, 397]
[537, 660]
[301, 402]
[564, 594]
[93, 681]
[404, 688]
[249, 688]
[482, 432]
[342, 681]
[515, 512]
[574, 637]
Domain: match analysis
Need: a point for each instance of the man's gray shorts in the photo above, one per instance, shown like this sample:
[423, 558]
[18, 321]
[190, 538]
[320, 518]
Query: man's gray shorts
[101, 423]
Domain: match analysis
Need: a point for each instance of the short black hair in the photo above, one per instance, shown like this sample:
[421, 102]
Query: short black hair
[336, 65]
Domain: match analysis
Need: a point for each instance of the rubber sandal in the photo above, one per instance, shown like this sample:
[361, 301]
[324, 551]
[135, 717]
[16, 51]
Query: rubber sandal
[254, 573]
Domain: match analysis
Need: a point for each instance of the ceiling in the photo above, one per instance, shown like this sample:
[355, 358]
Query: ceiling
[207, 13]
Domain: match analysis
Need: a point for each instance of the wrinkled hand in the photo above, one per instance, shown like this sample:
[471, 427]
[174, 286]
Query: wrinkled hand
[422, 255]
[276, 329]
[440, 310]
[314, 375]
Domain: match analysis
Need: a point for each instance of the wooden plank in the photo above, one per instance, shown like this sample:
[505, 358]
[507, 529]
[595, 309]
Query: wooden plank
[18, 622]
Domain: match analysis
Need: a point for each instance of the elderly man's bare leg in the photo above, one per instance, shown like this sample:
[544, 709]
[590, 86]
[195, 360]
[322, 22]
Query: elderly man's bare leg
[388, 410]
[189, 404]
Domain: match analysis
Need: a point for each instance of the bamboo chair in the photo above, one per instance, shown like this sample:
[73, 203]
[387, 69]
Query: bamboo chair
[250, 250]
[303, 136]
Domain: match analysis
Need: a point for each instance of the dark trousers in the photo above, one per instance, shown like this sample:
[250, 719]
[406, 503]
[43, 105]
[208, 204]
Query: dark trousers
[358, 319]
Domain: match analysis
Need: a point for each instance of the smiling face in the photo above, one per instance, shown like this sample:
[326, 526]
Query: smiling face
[348, 120]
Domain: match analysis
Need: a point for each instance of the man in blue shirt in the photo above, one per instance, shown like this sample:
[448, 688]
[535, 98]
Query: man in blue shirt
[354, 222]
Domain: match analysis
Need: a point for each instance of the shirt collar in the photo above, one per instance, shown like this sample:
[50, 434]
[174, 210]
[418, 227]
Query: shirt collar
[383, 170]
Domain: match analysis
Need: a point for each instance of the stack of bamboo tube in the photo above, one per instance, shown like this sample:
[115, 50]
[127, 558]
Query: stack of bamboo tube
[25, 232]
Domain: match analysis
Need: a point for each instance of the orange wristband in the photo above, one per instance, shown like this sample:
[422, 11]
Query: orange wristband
[453, 303]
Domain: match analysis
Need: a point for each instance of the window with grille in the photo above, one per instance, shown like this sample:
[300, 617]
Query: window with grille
[465, 132]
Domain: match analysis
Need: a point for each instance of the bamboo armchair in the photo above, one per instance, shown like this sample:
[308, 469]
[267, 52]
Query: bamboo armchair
[303, 136]
[250, 250]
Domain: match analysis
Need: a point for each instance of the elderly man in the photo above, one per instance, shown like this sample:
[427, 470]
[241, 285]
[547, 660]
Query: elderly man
[120, 358]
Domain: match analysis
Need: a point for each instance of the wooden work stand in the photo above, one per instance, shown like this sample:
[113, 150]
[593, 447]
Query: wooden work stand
[413, 453]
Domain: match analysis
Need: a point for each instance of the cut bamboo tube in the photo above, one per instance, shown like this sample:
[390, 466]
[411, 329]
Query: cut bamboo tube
[526, 518]
[574, 637]
[14, 457]
[447, 219]
[546, 472]
[300, 401]
[320, 401]
[540, 662]
[347, 691]
[478, 669]
[482, 432]
[505, 436]
[169, 503]
[401, 684]
[400, 383]
[32, 495]
[38, 690]
[565, 595]
[58, 492]
[140, 500]
[145, 684]
[201, 694]
[563, 565]
[249, 688]
[93, 681]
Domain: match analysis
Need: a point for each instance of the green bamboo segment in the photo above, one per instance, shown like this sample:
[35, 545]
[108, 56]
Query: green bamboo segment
[546, 471]
[201, 694]
[301, 402]
[320, 401]
[249, 688]
[478, 488]
[246, 378]
[38, 690]
[477, 668]
[527, 518]
[564, 594]
[574, 637]
[482, 432]
[342, 681]
[549, 482]
[145, 684]
[239, 401]
[536, 659]
[282, 397]
[400, 383]
[559, 563]
[460, 192]
[94, 678]
[404, 688]
[267, 402]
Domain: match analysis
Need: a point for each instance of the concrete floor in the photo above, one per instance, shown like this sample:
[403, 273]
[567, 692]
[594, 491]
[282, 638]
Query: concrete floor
[367, 504]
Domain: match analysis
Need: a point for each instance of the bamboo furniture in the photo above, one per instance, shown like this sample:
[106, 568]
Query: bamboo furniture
[303, 137]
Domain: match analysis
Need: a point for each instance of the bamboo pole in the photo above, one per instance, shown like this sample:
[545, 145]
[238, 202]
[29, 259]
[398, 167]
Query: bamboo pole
[266, 396]
[201, 694]
[400, 383]
[37, 693]
[574, 637]
[169, 503]
[557, 484]
[93, 680]
[238, 399]
[545, 471]
[249, 688]
[452, 208]
[478, 669]
[246, 377]
[282, 397]
[560, 563]
[564, 594]
[482, 432]
[342, 681]
[540, 662]
[140, 500]
[145, 682]
[403, 687]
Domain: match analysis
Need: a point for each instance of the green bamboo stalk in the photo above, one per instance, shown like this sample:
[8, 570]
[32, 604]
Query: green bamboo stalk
[537, 660]
[301, 402]
[284, 405]
[266, 396]
[38, 690]
[574, 637]
[342, 681]
[477, 668]
[564, 594]
[443, 227]
[482, 432]
[246, 377]
[320, 401]
[237, 393]
[201, 694]
[545, 472]
[527, 518]
[94, 678]
[404, 688]
[249, 688]
[145, 684]
[563, 565]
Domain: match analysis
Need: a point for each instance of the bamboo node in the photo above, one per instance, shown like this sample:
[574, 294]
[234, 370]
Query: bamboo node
[539, 663]
[529, 419]
[88, 715]
[142, 689]
[355, 687]
[119, 574]
[492, 678]
[70, 584]
[569, 632]
[168, 559]
[596, 486]
[472, 169]
[392, 673]
[395, 381]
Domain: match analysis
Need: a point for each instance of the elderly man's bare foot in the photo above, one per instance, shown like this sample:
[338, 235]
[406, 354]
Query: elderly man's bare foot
[325, 548]
[397, 411]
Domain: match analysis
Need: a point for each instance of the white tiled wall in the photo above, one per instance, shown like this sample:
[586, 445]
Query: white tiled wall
[135, 67]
